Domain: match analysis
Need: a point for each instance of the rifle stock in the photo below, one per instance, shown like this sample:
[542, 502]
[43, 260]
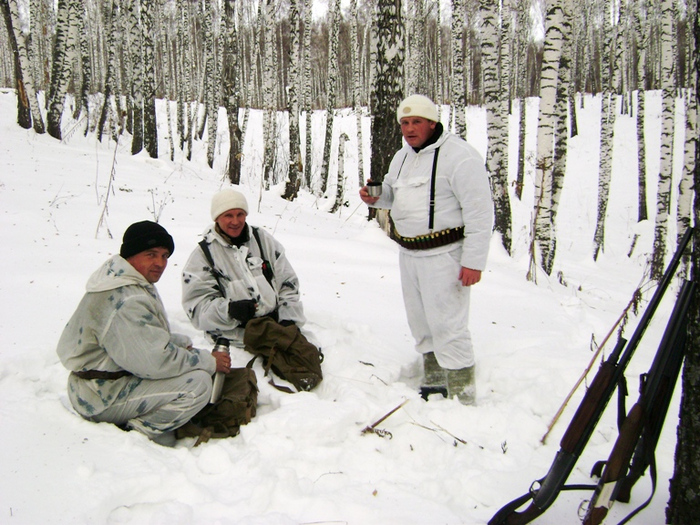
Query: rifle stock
[641, 428]
[588, 413]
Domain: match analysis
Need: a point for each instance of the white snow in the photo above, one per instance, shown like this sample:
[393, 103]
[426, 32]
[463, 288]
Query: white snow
[304, 458]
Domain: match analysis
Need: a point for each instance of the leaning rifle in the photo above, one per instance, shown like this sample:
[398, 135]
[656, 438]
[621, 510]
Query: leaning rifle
[544, 491]
[641, 428]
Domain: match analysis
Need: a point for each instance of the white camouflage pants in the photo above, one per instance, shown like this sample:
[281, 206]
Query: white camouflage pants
[437, 306]
[155, 406]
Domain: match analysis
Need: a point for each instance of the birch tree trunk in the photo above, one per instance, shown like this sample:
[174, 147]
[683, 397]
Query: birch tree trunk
[608, 115]
[458, 95]
[542, 213]
[306, 97]
[28, 112]
[65, 52]
[134, 46]
[497, 105]
[110, 91]
[231, 88]
[266, 28]
[663, 195]
[150, 127]
[357, 91]
[387, 85]
[334, 27]
[684, 504]
[295, 169]
[340, 192]
[212, 87]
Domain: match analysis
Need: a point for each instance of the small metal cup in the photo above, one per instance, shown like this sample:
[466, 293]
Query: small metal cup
[374, 189]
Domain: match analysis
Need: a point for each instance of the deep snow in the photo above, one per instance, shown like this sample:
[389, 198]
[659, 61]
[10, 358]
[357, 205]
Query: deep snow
[303, 459]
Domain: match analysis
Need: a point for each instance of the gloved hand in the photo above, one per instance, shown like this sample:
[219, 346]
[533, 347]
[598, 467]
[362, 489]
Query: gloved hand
[243, 311]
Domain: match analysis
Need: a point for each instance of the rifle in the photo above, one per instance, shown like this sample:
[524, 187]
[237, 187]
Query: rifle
[544, 491]
[641, 428]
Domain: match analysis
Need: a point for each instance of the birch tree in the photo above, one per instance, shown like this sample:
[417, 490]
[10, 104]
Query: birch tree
[295, 169]
[663, 194]
[497, 106]
[266, 28]
[231, 90]
[542, 225]
[135, 78]
[306, 97]
[641, 31]
[65, 52]
[684, 504]
[28, 112]
[212, 86]
[150, 129]
[608, 115]
[387, 85]
[334, 27]
[357, 91]
[458, 95]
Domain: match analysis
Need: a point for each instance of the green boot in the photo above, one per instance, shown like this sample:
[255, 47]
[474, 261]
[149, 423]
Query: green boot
[461, 383]
[434, 378]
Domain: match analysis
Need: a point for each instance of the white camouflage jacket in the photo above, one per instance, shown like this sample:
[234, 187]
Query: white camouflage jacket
[462, 196]
[242, 277]
[121, 324]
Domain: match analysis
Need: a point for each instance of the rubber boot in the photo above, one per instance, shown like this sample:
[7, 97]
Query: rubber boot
[434, 379]
[461, 383]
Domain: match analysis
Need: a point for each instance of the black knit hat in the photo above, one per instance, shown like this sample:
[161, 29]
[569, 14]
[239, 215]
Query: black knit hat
[144, 235]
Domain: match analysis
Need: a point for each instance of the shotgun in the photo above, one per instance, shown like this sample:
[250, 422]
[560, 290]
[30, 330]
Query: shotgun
[634, 448]
[544, 491]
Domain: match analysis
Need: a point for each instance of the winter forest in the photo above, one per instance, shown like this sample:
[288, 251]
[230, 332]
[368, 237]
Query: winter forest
[107, 61]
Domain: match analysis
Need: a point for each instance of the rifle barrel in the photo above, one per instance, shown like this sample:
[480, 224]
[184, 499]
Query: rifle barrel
[588, 414]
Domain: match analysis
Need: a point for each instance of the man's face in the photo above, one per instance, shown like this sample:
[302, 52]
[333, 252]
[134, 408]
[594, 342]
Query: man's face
[417, 130]
[232, 222]
[150, 263]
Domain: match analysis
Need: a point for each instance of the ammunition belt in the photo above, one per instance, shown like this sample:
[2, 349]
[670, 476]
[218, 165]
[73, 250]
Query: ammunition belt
[431, 240]
[100, 374]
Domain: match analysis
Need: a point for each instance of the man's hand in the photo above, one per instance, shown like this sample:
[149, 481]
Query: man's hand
[469, 276]
[366, 197]
[242, 311]
[223, 362]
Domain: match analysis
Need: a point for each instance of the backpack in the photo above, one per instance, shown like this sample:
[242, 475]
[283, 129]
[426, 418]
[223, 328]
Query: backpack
[236, 407]
[285, 351]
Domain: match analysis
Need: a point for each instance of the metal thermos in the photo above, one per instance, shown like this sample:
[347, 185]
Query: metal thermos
[221, 346]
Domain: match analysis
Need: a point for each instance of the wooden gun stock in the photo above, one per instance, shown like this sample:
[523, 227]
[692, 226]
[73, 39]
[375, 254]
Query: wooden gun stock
[641, 428]
[588, 413]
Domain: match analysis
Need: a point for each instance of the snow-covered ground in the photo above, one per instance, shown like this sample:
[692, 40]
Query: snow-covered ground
[304, 458]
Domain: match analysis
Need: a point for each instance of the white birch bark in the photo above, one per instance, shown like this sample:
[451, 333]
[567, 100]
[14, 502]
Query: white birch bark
[26, 93]
[458, 91]
[608, 115]
[663, 195]
[307, 91]
[357, 91]
[334, 27]
[497, 105]
[295, 168]
[65, 53]
[541, 222]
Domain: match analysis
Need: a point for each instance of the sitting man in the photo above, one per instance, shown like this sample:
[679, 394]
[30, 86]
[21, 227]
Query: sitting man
[127, 368]
[237, 273]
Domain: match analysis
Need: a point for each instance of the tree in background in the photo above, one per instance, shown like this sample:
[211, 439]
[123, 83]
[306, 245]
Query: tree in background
[27, 105]
[296, 168]
[684, 504]
[387, 84]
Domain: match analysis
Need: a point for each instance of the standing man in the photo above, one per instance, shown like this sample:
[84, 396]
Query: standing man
[442, 215]
[127, 368]
[238, 272]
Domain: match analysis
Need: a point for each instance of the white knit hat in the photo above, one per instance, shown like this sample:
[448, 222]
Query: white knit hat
[417, 106]
[227, 200]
